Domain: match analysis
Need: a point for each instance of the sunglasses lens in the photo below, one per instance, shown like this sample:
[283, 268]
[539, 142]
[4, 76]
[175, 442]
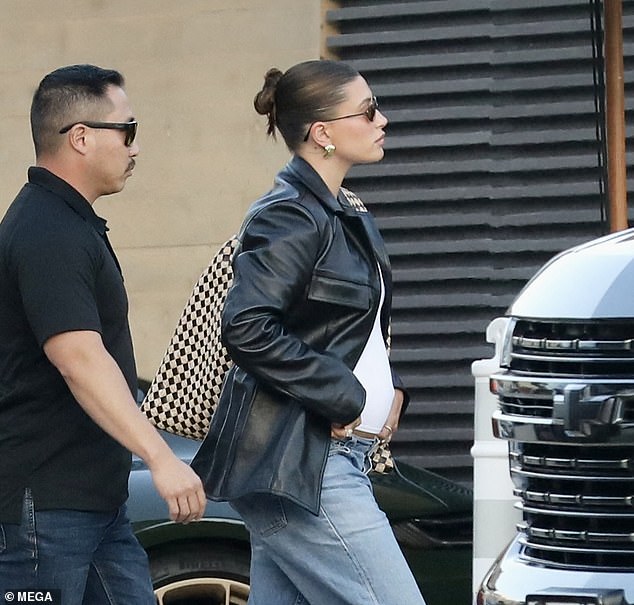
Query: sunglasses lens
[130, 133]
[371, 110]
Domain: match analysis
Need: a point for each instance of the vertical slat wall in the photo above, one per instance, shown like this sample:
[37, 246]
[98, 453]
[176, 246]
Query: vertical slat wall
[491, 167]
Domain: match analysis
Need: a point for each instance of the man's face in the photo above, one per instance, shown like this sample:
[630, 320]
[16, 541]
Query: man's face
[112, 161]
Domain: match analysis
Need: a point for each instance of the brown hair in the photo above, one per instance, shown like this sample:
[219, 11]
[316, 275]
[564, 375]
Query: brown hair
[306, 93]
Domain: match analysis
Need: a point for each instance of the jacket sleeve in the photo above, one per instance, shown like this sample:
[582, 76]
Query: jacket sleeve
[280, 246]
[398, 384]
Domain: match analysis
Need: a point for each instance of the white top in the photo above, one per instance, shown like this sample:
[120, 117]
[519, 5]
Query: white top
[374, 373]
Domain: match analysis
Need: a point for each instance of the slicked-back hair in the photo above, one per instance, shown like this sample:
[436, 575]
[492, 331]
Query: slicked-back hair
[69, 94]
[308, 92]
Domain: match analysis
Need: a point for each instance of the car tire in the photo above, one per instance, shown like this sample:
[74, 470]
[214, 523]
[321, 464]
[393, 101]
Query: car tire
[200, 573]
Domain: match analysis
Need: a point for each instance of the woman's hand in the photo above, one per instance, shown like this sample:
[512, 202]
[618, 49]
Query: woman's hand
[391, 424]
[342, 431]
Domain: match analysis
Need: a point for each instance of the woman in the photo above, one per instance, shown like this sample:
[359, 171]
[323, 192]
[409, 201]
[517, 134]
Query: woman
[312, 392]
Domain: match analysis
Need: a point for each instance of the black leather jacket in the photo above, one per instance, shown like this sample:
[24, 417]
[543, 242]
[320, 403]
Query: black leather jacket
[295, 322]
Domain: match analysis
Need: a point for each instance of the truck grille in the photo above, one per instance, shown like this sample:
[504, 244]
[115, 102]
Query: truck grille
[538, 400]
[597, 355]
[577, 503]
[573, 383]
[598, 348]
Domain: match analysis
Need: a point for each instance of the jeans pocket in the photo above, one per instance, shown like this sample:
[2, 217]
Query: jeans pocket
[263, 513]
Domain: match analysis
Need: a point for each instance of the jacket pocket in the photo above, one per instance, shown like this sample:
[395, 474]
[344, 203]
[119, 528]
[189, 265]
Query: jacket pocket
[339, 291]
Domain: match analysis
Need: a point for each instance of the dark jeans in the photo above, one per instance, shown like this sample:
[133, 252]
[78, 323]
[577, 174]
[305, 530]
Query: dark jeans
[93, 558]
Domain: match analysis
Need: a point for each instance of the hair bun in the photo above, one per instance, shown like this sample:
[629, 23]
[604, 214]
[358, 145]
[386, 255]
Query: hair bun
[264, 101]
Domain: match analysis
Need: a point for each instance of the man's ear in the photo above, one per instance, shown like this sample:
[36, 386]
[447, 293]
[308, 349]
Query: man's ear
[78, 138]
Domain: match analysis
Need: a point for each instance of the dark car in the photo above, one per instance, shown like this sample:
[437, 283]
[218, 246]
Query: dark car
[566, 407]
[207, 562]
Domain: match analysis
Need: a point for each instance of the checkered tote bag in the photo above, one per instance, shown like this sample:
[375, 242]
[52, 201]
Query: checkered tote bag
[187, 385]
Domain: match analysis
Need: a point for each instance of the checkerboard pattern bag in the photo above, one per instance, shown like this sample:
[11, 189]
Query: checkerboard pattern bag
[186, 388]
[187, 385]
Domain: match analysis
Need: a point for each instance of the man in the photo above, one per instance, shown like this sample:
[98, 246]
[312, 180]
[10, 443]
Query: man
[68, 416]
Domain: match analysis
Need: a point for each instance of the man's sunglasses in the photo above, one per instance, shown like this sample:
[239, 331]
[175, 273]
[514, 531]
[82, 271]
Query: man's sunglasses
[128, 127]
[370, 112]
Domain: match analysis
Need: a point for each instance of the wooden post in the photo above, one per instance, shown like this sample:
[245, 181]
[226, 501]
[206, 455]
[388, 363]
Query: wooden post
[615, 115]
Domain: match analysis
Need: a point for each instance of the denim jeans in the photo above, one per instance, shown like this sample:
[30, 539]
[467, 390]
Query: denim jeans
[346, 555]
[92, 558]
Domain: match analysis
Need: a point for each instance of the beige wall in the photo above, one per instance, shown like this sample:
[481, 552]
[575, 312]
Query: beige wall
[192, 69]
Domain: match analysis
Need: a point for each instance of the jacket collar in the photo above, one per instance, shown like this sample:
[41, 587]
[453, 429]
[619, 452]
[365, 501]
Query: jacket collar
[346, 203]
[300, 170]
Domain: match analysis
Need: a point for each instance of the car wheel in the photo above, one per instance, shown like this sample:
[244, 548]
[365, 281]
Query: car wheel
[199, 573]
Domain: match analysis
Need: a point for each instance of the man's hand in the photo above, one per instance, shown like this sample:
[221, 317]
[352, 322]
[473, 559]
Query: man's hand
[180, 487]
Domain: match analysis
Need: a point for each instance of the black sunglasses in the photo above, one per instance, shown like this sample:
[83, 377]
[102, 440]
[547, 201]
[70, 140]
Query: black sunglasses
[369, 112]
[128, 127]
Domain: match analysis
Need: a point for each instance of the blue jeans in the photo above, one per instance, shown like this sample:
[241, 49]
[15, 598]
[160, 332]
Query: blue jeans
[92, 558]
[347, 555]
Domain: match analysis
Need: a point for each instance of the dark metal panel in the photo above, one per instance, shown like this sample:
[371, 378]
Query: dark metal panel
[491, 168]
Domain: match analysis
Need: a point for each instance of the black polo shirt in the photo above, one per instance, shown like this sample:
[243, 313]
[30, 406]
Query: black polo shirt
[58, 274]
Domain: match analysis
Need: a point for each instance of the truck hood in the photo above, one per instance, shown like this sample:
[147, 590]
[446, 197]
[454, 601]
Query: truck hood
[590, 281]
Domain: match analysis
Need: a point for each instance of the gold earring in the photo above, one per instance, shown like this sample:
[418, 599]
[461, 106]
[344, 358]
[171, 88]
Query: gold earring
[329, 150]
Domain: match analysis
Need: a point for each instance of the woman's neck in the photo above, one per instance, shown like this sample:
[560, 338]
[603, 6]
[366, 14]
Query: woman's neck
[331, 170]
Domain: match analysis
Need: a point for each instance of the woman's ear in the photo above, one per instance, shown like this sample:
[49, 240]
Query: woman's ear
[319, 134]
